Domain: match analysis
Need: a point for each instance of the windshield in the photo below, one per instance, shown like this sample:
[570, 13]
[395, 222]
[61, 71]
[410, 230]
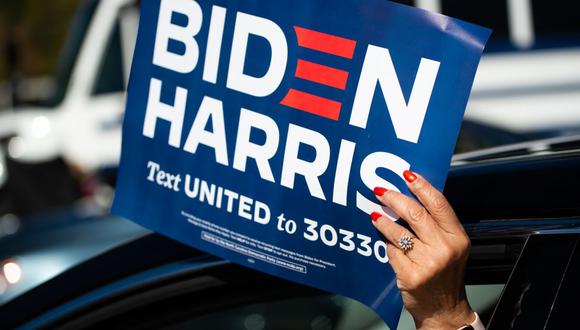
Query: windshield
[70, 51]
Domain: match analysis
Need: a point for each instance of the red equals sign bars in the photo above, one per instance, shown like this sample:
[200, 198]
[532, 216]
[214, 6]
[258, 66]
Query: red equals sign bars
[318, 73]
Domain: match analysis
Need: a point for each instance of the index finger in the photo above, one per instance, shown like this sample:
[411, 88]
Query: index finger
[411, 211]
[434, 201]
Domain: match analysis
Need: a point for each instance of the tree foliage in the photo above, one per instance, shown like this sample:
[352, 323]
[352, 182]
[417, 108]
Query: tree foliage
[36, 29]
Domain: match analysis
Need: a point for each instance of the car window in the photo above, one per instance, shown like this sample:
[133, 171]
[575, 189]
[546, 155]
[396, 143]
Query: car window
[327, 312]
[536, 292]
[110, 77]
[564, 309]
[70, 52]
[233, 297]
[318, 312]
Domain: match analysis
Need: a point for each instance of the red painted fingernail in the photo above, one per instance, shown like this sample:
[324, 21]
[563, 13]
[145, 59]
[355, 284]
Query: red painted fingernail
[409, 176]
[375, 216]
[380, 191]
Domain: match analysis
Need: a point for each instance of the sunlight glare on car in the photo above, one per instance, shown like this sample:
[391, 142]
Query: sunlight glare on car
[12, 272]
[40, 127]
[15, 147]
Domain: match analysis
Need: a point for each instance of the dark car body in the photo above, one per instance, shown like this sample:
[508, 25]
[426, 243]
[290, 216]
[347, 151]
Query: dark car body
[521, 210]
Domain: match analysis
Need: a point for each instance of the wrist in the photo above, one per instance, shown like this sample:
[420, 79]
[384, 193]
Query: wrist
[451, 319]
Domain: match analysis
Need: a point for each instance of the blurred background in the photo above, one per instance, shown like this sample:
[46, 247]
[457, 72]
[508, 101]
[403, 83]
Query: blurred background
[64, 65]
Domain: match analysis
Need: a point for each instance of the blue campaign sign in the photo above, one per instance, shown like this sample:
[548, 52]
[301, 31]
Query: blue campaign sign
[256, 130]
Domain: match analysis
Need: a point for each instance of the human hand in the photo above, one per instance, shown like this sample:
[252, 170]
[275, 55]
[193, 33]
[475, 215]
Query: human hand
[431, 274]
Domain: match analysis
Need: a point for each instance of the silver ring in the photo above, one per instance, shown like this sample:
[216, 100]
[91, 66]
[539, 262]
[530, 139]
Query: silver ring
[405, 243]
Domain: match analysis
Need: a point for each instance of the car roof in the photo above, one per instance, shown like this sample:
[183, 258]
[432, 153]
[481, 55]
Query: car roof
[533, 185]
[542, 147]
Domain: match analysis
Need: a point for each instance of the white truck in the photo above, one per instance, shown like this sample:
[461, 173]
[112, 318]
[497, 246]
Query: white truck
[82, 123]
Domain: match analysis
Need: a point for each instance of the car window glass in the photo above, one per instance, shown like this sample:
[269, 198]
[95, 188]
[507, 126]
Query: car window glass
[564, 308]
[110, 77]
[328, 312]
[70, 52]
